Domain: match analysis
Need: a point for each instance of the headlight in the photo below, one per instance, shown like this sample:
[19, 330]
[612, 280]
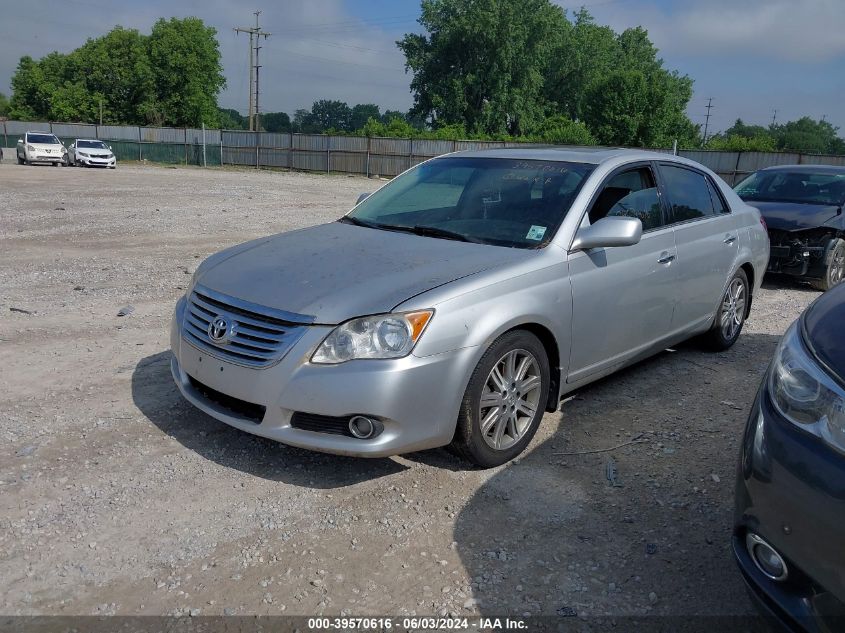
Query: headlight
[378, 336]
[83, 154]
[804, 394]
[30, 148]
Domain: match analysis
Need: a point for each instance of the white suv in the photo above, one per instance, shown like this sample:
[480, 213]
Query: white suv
[41, 147]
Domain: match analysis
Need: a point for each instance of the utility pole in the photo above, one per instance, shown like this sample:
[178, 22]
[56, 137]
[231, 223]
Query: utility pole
[255, 34]
[774, 116]
[707, 117]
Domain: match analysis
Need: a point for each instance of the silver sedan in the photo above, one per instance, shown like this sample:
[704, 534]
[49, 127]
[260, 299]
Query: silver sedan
[466, 297]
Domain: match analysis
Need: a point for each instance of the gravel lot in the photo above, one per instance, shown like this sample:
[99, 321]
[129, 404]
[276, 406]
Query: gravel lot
[118, 497]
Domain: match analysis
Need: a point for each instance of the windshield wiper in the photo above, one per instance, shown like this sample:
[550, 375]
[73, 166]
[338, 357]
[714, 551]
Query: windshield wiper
[436, 231]
[348, 219]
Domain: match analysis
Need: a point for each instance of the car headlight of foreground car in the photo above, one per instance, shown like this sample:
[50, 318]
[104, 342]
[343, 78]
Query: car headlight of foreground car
[804, 394]
[377, 337]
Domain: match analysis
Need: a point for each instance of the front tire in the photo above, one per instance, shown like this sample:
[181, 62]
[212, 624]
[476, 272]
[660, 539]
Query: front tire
[504, 400]
[835, 266]
[731, 315]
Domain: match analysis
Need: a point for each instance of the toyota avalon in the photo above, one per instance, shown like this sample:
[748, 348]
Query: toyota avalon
[464, 298]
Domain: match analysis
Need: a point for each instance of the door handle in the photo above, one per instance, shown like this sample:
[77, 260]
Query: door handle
[666, 258]
[730, 239]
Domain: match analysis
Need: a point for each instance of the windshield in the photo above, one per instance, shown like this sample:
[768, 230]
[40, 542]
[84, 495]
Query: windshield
[92, 144]
[501, 201]
[793, 186]
[46, 139]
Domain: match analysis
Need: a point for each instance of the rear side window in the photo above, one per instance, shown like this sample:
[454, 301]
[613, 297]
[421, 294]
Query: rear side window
[631, 194]
[688, 192]
[719, 205]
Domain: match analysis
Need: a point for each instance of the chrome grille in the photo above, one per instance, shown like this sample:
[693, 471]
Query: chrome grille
[256, 336]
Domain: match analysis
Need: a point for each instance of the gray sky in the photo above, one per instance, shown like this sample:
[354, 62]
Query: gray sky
[750, 56]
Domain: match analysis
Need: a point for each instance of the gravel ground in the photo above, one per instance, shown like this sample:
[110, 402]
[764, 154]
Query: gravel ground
[116, 497]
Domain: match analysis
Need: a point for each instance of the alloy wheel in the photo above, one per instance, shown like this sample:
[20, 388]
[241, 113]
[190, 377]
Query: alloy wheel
[836, 270]
[509, 399]
[733, 309]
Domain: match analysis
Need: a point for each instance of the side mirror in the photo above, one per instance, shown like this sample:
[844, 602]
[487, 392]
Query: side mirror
[610, 231]
[362, 197]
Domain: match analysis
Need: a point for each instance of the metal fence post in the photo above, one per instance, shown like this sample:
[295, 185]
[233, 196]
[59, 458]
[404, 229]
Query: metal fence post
[290, 151]
[736, 167]
[221, 147]
[328, 154]
[140, 146]
[411, 153]
[186, 145]
[204, 162]
[5, 136]
[369, 140]
[257, 148]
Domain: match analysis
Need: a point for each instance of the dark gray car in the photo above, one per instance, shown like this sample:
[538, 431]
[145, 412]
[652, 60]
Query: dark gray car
[790, 492]
[803, 209]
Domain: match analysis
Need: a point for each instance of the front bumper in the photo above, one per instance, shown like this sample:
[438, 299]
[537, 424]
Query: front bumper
[795, 259]
[791, 491]
[96, 162]
[38, 157]
[416, 399]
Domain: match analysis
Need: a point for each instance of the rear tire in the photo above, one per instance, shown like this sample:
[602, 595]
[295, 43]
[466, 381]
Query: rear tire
[834, 266]
[731, 314]
[504, 401]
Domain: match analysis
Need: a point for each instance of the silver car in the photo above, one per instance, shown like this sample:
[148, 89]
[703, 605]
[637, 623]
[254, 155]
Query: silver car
[464, 298]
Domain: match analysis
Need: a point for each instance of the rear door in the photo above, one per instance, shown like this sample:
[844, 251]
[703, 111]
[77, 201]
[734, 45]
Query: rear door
[623, 297]
[706, 236]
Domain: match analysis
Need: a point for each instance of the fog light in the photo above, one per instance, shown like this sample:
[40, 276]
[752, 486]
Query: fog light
[364, 428]
[766, 558]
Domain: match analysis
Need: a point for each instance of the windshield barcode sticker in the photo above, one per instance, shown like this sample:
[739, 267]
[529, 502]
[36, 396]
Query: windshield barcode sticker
[536, 232]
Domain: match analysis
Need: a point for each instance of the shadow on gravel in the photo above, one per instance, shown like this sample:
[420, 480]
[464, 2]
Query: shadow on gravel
[774, 281]
[640, 530]
[157, 397]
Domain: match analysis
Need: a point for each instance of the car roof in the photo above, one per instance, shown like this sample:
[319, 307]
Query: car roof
[591, 155]
[90, 140]
[816, 169]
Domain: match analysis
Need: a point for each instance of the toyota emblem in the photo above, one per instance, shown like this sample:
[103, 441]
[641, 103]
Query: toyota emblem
[219, 330]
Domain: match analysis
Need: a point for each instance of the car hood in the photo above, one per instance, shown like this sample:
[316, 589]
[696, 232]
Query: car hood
[93, 152]
[792, 216]
[43, 146]
[823, 329]
[334, 272]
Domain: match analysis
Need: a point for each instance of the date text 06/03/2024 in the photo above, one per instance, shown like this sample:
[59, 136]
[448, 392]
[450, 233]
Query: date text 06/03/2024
[416, 624]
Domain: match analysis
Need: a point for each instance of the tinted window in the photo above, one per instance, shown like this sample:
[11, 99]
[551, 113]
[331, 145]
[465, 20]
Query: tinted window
[719, 205]
[92, 144]
[688, 193]
[497, 201]
[632, 194]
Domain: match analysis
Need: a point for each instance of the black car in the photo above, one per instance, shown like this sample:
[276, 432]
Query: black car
[802, 207]
[789, 522]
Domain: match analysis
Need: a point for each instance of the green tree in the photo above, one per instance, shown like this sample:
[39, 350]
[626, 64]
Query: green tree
[171, 77]
[4, 105]
[363, 112]
[808, 135]
[480, 62]
[187, 73]
[303, 122]
[231, 119]
[275, 122]
[739, 128]
[328, 114]
[562, 130]
[739, 143]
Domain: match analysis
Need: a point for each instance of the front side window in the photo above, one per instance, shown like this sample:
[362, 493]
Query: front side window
[688, 193]
[632, 194]
[46, 139]
[499, 201]
[800, 186]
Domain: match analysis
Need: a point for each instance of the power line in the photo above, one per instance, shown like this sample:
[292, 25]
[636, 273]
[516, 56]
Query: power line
[255, 34]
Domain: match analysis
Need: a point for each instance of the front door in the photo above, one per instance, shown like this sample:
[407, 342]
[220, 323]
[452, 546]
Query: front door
[623, 298]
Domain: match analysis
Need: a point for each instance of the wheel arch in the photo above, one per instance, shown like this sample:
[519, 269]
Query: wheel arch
[749, 273]
[550, 344]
